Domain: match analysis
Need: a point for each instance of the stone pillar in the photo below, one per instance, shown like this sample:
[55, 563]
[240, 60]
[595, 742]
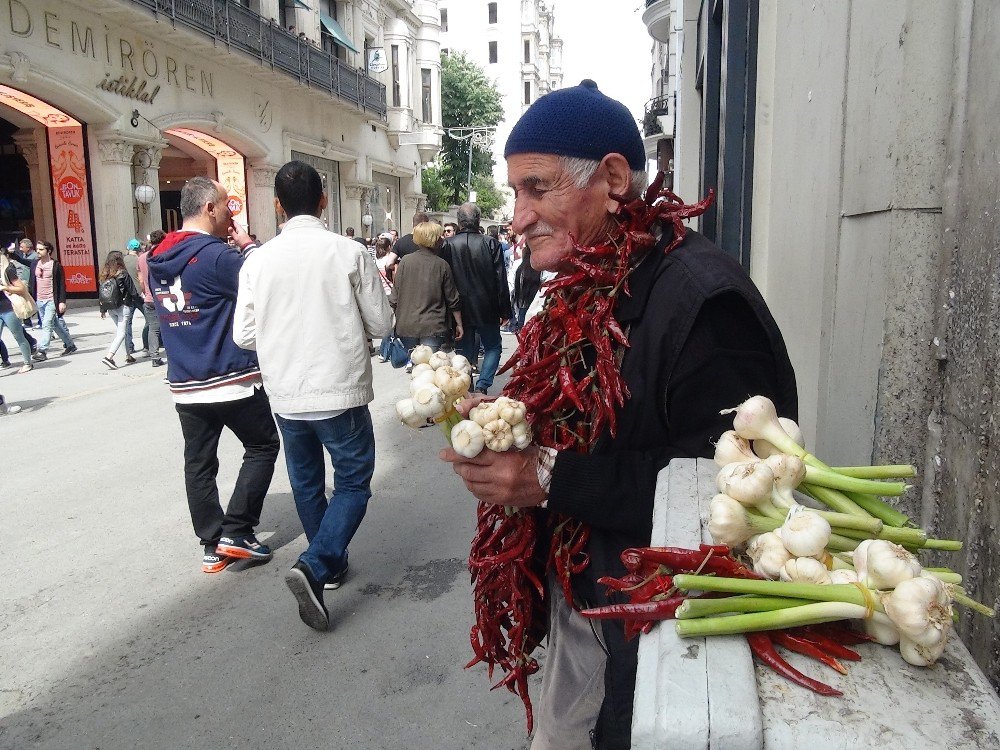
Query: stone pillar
[149, 217]
[32, 149]
[260, 200]
[116, 222]
[356, 196]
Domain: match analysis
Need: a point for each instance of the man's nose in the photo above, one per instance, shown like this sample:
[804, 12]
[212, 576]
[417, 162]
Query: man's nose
[524, 216]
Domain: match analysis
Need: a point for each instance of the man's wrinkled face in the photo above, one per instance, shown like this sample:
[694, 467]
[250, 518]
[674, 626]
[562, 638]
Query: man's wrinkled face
[222, 217]
[550, 211]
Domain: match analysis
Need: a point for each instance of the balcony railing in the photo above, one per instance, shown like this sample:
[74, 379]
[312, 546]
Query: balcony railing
[658, 107]
[240, 28]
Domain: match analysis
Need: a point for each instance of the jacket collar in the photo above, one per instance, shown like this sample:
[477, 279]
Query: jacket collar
[640, 283]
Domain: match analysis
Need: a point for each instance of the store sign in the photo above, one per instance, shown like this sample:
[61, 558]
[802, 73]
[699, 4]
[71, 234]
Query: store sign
[230, 165]
[70, 191]
[377, 62]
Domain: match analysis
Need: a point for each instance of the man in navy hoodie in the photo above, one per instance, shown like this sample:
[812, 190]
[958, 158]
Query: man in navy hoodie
[194, 277]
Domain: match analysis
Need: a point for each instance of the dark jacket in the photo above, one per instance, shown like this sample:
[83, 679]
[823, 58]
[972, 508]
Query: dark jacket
[194, 278]
[702, 340]
[527, 282]
[423, 295]
[477, 264]
[127, 291]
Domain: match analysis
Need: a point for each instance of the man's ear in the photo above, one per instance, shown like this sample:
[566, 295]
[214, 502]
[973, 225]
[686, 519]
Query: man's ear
[277, 207]
[618, 174]
[322, 204]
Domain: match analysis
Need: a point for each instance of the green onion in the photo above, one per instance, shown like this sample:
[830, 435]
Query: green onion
[808, 614]
[826, 478]
[692, 608]
[898, 471]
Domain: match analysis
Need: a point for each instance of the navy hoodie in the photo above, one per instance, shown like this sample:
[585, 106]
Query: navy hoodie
[194, 278]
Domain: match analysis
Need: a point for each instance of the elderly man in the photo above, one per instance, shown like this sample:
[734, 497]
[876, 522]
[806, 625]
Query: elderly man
[319, 381]
[477, 264]
[194, 277]
[701, 339]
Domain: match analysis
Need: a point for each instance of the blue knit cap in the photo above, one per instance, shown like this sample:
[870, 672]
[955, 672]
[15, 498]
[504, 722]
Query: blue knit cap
[578, 122]
[133, 245]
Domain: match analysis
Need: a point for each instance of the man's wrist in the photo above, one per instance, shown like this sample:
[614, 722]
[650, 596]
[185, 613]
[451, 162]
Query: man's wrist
[544, 465]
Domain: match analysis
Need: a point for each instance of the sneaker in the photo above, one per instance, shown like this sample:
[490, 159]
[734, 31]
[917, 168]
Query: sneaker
[480, 389]
[4, 365]
[69, 350]
[6, 408]
[309, 594]
[129, 359]
[109, 363]
[334, 583]
[212, 561]
[26, 368]
[409, 367]
[382, 359]
[158, 362]
[39, 356]
[243, 547]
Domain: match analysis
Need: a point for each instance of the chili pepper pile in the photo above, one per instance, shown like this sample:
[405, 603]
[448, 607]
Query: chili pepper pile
[566, 371]
[652, 597]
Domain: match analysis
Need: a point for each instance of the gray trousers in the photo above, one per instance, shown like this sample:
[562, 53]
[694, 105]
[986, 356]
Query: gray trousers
[149, 313]
[572, 679]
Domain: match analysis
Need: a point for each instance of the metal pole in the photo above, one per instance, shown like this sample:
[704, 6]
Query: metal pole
[470, 162]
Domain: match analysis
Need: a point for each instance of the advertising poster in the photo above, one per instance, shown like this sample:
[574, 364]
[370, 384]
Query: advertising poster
[70, 196]
[230, 165]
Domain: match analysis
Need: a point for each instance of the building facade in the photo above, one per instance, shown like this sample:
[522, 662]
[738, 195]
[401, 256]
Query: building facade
[854, 150]
[515, 43]
[108, 106]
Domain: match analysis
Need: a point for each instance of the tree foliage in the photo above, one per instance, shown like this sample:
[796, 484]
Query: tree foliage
[468, 98]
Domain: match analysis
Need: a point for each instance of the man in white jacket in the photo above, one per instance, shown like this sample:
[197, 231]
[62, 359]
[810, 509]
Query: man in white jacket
[317, 372]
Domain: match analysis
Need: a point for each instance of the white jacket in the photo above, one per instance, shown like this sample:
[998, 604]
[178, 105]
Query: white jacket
[308, 302]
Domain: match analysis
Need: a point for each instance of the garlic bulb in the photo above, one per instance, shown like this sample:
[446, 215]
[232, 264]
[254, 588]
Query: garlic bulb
[439, 359]
[756, 419]
[884, 565]
[768, 554]
[454, 383]
[788, 471]
[731, 449]
[765, 450]
[429, 401]
[484, 413]
[408, 415]
[748, 483]
[881, 629]
[728, 522]
[522, 435]
[510, 411]
[467, 438]
[498, 435]
[421, 354]
[805, 533]
[459, 362]
[804, 570]
[420, 369]
[423, 379]
[843, 576]
[920, 656]
[921, 609]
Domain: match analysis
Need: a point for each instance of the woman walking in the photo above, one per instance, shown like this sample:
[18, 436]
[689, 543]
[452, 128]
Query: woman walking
[117, 295]
[10, 283]
[526, 284]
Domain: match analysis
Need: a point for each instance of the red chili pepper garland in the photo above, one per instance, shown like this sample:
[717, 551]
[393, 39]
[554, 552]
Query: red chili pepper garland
[567, 374]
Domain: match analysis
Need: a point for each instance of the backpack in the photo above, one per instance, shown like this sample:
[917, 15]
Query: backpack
[110, 294]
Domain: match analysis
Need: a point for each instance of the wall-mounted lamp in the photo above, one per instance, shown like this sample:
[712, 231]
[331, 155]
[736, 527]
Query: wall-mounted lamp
[144, 195]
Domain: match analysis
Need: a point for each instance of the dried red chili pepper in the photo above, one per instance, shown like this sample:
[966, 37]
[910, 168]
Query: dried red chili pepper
[804, 647]
[763, 649]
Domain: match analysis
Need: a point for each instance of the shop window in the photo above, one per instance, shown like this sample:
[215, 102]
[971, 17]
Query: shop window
[492, 12]
[444, 19]
[425, 94]
[395, 76]
[493, 52]
[527, 92]
[527, 50]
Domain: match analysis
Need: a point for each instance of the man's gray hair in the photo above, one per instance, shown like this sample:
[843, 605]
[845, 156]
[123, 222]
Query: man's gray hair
[468, 216]
[195, 194]
[582, 170]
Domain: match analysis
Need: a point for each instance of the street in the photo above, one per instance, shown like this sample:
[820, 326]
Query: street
[114, 638]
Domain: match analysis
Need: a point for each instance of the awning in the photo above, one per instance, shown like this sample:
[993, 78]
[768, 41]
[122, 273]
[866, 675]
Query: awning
[302, 5]
[334, 29]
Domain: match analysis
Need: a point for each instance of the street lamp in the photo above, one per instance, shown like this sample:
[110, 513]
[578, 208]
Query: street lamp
[476, 135]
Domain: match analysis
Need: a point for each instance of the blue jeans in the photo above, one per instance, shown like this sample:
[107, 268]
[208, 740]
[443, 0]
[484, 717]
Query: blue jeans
[492, 347]
[50, 320]
[411, 342]
[330, 524]
[11, 321]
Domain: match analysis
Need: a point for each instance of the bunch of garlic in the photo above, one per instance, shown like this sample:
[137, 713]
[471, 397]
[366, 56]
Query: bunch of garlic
[437, 381]
[498, 425]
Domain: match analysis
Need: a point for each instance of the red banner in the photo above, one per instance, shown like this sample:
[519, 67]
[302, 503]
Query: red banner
[71, 198]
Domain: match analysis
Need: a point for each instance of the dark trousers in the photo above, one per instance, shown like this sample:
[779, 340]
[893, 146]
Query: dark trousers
[201, 424]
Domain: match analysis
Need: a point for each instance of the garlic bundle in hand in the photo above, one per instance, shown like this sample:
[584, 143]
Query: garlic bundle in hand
[498, 436]
[467, 438]
[485, 412]
[510, 411]
[421, 355]
[454, 383]
[408, 414]
[429, 401]
[522, 435]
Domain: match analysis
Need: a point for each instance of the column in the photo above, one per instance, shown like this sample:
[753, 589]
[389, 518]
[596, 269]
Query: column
[149, 217]
[356, 196]
[260, 200]
[115, 223]
[32, 148]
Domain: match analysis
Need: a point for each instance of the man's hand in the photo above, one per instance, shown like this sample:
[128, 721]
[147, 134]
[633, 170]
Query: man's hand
[459, 331]
[504, 321]
[61, 307]
[239, 235]
[508, 478]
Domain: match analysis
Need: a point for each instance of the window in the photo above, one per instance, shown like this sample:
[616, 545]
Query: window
[445, 51]
[527, 92]
[493, 52]
[425, 93]
[527, 50]
[395, 75]
[444, 19]
[492, 9]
